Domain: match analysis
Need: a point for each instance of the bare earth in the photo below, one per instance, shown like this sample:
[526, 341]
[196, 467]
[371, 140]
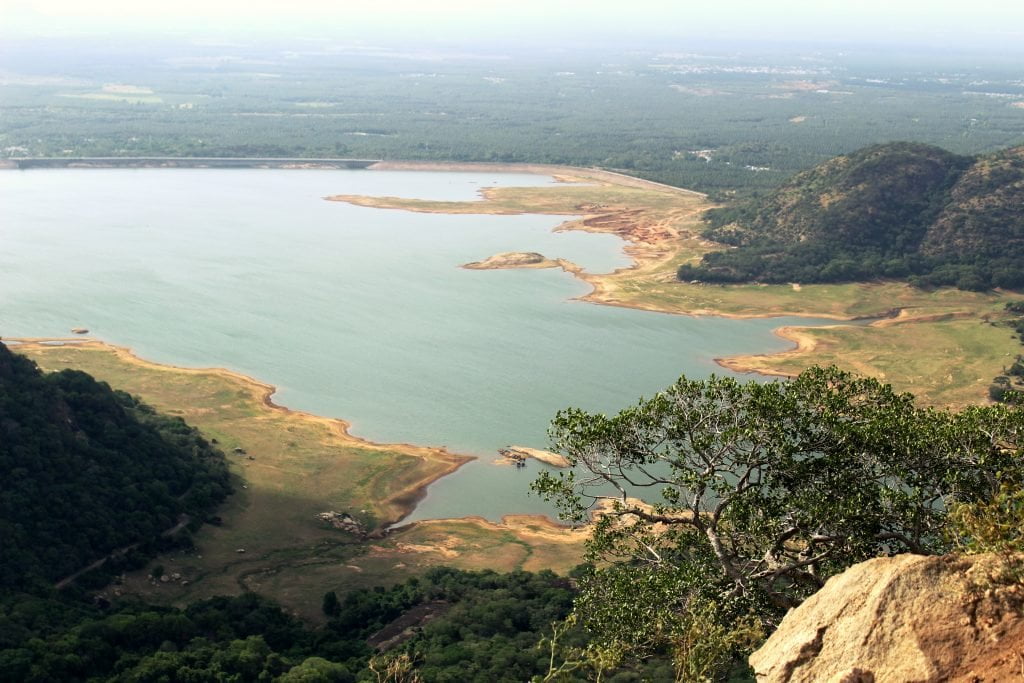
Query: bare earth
[547, 457]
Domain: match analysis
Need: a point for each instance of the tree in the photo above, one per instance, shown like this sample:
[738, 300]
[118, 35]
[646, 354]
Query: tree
[330, 605]
[754, 494]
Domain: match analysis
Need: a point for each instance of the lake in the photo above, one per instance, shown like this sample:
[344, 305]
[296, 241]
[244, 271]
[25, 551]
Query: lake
[351, 312]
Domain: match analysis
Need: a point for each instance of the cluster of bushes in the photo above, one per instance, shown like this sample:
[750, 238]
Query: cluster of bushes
[775, 263]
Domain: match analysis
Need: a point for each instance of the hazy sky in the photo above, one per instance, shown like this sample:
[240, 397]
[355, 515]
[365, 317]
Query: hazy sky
[936, 22]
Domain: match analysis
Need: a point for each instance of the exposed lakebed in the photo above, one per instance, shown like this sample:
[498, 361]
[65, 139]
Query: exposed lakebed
[351, 312]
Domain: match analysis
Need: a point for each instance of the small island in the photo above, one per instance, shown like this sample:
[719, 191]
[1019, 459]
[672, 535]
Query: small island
[519, 454]
[514, 259]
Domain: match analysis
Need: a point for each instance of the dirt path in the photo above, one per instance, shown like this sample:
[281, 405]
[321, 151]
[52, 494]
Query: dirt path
[183, 521]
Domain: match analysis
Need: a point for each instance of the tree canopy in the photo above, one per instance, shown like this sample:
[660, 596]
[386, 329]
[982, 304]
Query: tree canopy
[898, 210]
[716, 497]
[87, 470]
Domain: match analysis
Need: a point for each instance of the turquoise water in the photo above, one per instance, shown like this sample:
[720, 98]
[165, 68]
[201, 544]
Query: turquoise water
[351, 312]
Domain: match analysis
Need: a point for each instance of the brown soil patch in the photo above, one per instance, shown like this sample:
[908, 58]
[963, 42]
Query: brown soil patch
[513, 453]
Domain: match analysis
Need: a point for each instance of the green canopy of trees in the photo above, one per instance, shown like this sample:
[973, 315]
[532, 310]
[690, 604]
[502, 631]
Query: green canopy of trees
[898, 210]
[757, 493]
[88, 470]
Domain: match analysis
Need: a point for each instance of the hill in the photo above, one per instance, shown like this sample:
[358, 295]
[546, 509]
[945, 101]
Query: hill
[89, 470]
[899, 210]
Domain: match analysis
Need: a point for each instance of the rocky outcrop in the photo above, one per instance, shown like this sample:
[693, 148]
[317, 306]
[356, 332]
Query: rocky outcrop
[513, 259]
[905, 618]
[344, 522]
[520, 453]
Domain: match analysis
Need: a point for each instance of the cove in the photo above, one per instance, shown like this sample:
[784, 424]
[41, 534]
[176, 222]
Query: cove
[351, 312]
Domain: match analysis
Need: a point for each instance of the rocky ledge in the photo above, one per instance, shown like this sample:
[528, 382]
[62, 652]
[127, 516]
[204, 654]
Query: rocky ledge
[905, 618]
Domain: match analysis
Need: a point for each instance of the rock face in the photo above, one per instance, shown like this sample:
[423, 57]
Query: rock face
[904, 618]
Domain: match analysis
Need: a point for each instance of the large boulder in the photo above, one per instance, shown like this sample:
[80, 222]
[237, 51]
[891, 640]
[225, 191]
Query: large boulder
[905, 618]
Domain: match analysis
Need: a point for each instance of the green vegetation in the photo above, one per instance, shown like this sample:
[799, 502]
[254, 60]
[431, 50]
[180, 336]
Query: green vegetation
[897, 210]
[462, 626]
[756, 493]
[722, 121]
[91, 471]
[1008, 386]
[88, 471]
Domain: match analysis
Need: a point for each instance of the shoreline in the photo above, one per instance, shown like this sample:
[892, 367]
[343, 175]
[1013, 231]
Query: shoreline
[521, 523]
[559, 172]
[404, 501]
[26, 163]
[649, 241]
[746, 364]
[644, 238]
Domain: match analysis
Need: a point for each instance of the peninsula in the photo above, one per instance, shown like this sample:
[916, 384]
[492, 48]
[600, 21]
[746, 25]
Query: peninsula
[954, 350]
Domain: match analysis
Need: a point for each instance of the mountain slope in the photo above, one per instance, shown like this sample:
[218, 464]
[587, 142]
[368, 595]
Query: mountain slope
[985, 213]
[896, 210]
[88, 470]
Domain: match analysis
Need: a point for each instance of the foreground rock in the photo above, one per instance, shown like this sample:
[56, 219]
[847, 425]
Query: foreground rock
[904, 618]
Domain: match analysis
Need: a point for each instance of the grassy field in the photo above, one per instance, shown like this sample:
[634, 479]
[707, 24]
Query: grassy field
[295, 466]
[948, 362]
[937, 344]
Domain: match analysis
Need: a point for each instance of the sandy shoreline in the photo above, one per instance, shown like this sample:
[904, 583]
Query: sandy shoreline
[404, 500]
[562, 173]
[648, 240]
[803, 344]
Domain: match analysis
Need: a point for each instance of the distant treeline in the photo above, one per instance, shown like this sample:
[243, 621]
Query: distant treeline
[720, 123]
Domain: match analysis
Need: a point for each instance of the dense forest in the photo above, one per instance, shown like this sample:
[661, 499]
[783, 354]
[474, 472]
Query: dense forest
[898, 210]
[88, 470]
[720, 121]
[462, 627]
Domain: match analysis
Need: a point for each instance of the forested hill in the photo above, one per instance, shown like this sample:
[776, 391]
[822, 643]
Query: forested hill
[899, 210]
[87, 470]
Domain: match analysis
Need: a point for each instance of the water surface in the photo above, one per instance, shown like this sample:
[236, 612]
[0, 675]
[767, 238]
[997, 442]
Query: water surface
[350, 311]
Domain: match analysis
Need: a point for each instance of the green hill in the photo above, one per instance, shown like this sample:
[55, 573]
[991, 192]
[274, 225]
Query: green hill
[88, 470]
[898, 210]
